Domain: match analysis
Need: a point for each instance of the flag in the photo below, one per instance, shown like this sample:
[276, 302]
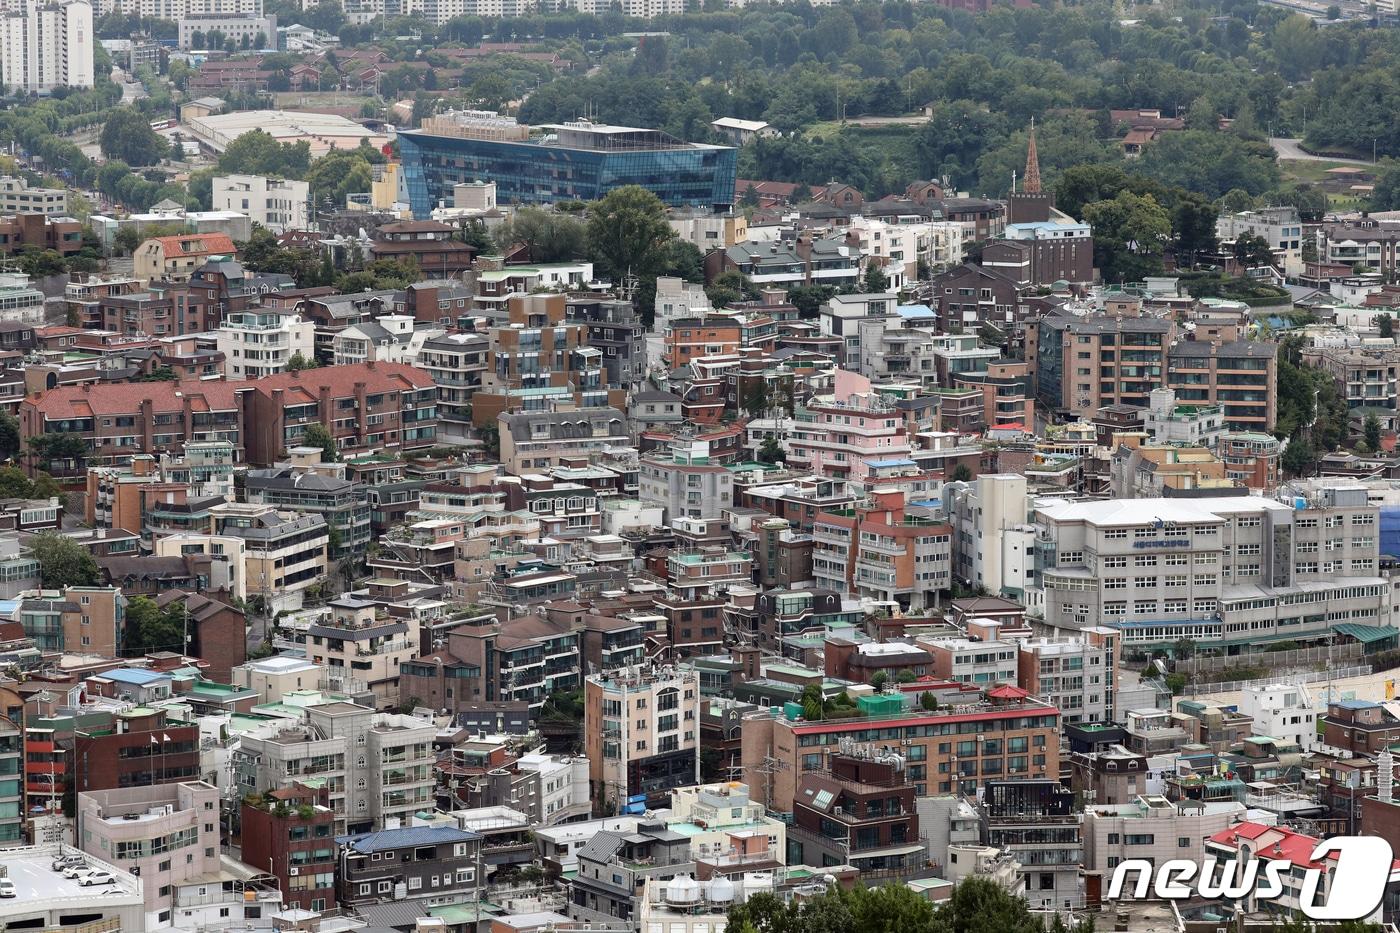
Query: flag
[153, 741]
[165, 738]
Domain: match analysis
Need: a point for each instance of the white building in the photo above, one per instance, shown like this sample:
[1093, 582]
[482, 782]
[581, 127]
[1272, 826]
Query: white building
[19, 300]
[260, 341]
[259, 30]
[1282, 711]
[1240, 570]
[47, 45]
[279, 204]
[1166, 422]
[992, 534]
[1153, 827]
[1280, 226]
[17, 196]
[178, 9]
[391, 338]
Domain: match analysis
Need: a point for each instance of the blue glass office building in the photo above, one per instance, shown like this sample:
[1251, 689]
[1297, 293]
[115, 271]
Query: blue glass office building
[572, 162]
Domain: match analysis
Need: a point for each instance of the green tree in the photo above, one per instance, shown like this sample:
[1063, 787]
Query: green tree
[875, 281]
[297, 362]
[69, 450]
[1193, 228]
[127, 135]
[1385, 325]
[928, 701]
[258, 153]
[770, 451]
[960, 474]
[337, 174]
[756, 398]
[150, 628]
[63, 562]
[1130, 232]
[543, 235]
[1371, 430]
[10, 445]
[811, 700]
[729, 288]
[628, 234]
[14, 484]
[1252, 251]
[316, 435]
[1299, 457]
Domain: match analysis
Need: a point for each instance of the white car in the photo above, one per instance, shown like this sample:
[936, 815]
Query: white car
[67, 861]
[76, 869]
[7, 887]
[96, 877]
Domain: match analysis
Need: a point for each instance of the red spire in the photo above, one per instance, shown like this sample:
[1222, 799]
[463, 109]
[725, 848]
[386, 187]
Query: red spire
[1032, 185]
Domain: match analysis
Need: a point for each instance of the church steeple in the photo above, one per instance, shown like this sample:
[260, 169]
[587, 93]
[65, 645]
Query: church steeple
[1032, 182]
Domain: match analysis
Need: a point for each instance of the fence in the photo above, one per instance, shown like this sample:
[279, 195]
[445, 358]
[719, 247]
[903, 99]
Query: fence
[1312, 677]
[1276, 660]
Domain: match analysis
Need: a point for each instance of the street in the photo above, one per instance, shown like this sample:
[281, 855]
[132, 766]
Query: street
[1290, 149]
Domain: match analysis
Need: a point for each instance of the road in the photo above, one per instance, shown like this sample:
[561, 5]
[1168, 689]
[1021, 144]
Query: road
[1290, 149]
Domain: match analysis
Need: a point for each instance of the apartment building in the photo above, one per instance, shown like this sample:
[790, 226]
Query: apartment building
[168, 834]
[1241, 376]
[175, 258]
[685, 481]
[121, 420]
[969, 660]
[47, 45]
[1155, 828]
[1228, 572]
[376, 768]
[641, 734]
[1034, 822]
[616, 867]
[1280, 227]
[526, 659]
[370, 407]
[78, 619]
[843, 434]
[343, 504]
[535, 440]
[880, 551]
[360, 646]
[859, 811]
[955, 749]
[1252, 459]
[411, 861]
[1078, 674]
[291, 830]
[614, 329]
[1365, 377]
[278, 204]
[993, 533]
[1372, 243]
[1083, 363]
[456, 363]
[284, 553]
[1286, 712]
[261, 342]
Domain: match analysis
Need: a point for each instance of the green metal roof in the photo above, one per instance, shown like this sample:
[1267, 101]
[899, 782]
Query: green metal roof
[1366, 633]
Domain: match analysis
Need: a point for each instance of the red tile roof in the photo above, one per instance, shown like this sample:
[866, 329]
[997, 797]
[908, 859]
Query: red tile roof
[204, 244]
[377, 377]
[1279, 843]
[126, 398]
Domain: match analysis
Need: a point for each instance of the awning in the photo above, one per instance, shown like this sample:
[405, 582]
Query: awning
[1366, 634]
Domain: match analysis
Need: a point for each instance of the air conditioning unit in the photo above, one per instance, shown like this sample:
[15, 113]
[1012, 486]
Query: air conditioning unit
[293, 871]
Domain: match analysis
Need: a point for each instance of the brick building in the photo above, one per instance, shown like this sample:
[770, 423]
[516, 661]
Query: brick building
[291, 831]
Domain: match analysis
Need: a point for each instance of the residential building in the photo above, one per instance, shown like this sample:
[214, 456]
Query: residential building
[1252, 459]
[882, 552]
[276, 203]
[463, 146]
[1365, 377]
[615, 868]
[174, 258]
[686, 483]
[410, 861]
[357, 644]
[61, 234]
[1185, 425]
[291, 830]
[1079, 675]
[1286, 712]
[1043, 253]
[168, 834]
[859, 811]
[1240, 376]
[1374, 244]
[708, 230]
[456, 364]
[1082, 363]
[844, 434]
[343, 504]
[994, 533]
[534, 440]
[526, 659]
[1020, 740]
[641, 733]
[1150, 826]
[1280, 227]
[261, 342]
[614, 329]
[968, 660]
[284, 553]
[236, 26]
[47, 45]
[427, 243]
[1034, 821]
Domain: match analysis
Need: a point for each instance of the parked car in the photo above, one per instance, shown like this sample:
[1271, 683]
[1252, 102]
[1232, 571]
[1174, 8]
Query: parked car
[99, 876]
[67, 861]
[7, 887]
[73, 871]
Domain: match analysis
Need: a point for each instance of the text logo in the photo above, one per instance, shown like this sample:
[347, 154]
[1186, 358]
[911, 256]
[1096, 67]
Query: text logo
[1357, 876]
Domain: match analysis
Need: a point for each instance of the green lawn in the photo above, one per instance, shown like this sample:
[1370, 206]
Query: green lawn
[1304, 170]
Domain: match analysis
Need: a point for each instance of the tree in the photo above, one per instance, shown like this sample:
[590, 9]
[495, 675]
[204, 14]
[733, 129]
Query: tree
[1130, 232]
[69, 449]
[544, 236]
[258, 153]
[875, 280]
[9, 436]
[811, 701]
[1385, 324]
[756, 400]
[628, 234]
[63, 562]
[770, 451]
[960, 474]
[1371, 429]
[1183, 649]
[127, 135]
[316, 435]
[337, 174]
[150, 628]
[1252, 251]
[1298, 457]
[928, 701]
[729, 288]
[1193, 228]
[297, 362]
[14, 484]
